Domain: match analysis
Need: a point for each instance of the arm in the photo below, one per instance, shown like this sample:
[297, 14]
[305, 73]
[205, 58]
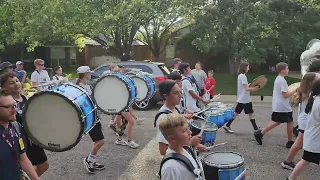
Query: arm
[28, 167]
[285, 91]
[33, 80]
[195, 96]
[247, 88]
[187, 87]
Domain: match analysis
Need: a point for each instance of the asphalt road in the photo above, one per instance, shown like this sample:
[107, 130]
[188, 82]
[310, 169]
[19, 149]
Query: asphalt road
[263, 162]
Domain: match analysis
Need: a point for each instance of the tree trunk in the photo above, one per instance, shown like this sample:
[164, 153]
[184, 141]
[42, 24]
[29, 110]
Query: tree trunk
[155, 57]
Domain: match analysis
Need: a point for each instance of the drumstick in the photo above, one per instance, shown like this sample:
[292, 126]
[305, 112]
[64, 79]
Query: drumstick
[241, 175]
[209, 148]
[216, 97]
[203, 110]
[202, 129]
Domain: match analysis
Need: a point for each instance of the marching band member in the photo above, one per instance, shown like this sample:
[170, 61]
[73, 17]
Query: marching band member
[244, 99]
[39, 76]
[37, 155]
[96, 133]
[281, 109]
[58, 73]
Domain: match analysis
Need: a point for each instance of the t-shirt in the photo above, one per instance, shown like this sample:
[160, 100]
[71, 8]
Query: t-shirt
[189, 101]
[311, 135]
[279, 103]
[86, 87]
[20, 74]
[20, 106]
[242, 94]
[200, 76]
[9, 167]
[302, 117]
[209, 82]
[160, 137]
[176, 170]
[57, 78]
[40, 77]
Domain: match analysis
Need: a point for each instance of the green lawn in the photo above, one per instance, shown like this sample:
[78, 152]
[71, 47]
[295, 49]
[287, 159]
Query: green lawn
[227, 84]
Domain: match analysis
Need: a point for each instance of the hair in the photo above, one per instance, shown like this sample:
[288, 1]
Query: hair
[314, 66]
[80, 76]
[183, 66]
[168, 123]
[243, 68]
[315, 92]
[5, 76]
[112, 66]
[211, 71]
[3, 92]
[306, 85]
[166, 86]
[38, 61]
[198, 62]
[56, 68]
[281, 66]
[174, 76]
[176, 61]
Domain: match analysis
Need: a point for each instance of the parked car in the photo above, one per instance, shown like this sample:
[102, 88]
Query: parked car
[158, 70]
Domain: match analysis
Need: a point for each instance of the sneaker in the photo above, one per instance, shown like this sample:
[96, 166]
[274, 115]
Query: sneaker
[132, 144]
[289, 166]
[228, 129]
[289, 144]
[98, 166]
[88, 165]
[121, 142]
[258, 135]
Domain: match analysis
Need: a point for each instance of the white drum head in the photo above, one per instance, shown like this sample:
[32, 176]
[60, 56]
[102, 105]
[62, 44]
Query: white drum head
[52, 122]
[111, 94]
[142, 88]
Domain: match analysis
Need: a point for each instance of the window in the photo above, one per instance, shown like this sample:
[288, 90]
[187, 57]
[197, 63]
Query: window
[57, 56]
[73, 56]
[142, 67]
[164, 69]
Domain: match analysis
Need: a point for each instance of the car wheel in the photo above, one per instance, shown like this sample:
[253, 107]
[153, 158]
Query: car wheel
[144, 105]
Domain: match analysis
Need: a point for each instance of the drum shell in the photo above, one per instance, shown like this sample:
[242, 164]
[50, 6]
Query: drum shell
[215, 118]
[208, 136]
[149, 82]
[212, 171]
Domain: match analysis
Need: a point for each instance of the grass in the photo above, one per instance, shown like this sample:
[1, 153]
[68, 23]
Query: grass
[227, 84]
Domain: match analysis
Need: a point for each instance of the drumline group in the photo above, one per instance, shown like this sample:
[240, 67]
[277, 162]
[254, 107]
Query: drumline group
[179, 139]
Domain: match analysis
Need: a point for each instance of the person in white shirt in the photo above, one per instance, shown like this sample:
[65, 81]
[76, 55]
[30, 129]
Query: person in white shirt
[191, 94]
[311, 143]
[39, 76]
[304, 92]
[244, 99]
[281, 109]
[200, 77]
[174, 128]
[58, 76]
[95, 133]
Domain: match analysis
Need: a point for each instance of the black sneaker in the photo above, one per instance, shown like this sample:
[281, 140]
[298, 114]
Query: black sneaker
[88, 165]
[289, 166]
[258, 135]
[98, 166]
[289, 144]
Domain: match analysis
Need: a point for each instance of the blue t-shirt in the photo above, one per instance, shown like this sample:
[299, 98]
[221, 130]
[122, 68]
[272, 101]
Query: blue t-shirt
[20, 74]
[9, 167]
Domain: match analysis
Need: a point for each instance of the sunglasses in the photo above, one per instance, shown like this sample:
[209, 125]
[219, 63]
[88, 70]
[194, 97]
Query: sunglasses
[41, 64]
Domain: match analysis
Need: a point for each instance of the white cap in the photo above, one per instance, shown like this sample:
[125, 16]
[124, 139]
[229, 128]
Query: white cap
[19, 62]
[83, 69]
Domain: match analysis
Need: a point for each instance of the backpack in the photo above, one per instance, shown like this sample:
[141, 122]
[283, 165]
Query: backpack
[163, 112]
[184, 160]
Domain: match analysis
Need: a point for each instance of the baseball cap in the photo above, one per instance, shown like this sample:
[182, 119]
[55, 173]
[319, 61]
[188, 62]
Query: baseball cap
[83, 69]
[6, 65]
[19, 62]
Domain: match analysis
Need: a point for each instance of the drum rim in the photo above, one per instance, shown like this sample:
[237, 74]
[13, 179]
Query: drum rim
[34, 140]
[215, 126]
[224, 166]
[143, 77]
[129, 89]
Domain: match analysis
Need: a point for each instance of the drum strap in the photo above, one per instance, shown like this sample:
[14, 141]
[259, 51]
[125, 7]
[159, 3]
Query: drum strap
[183, 159]
[163, 112]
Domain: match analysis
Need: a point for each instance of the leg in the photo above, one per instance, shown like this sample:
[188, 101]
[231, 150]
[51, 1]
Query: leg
[163, 148]
[237, 111]
[133, 114]
[259, 134]
[288, 163]
[130, 120]
[302, 164]
[41, 168]
[96, 147]
[249, 110]
[290, 131]
[253, 121]
[38, 158]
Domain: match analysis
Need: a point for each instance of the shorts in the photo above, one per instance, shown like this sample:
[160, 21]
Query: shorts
[247, 107]
[96, 133]
[282, 117]
[36, 154]
[311, 157]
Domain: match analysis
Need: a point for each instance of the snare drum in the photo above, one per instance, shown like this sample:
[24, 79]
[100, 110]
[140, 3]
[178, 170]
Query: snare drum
[215, 117]
[114, 93]
[223, 165]
[228, 113]
[145, 85]
[57, 119]
[209, 133]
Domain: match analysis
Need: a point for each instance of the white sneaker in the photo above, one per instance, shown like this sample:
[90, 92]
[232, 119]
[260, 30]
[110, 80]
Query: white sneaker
[132, 144]
[228, 129]
[121, 142]
[140, 120]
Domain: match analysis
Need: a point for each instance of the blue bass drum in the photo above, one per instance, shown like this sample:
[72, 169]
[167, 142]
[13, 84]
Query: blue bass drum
[57, 119]
[209, 133]
[223, 166]
[145, 85]
[114, 93]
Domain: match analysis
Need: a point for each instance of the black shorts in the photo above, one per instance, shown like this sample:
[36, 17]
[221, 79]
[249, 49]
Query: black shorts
[246, 107]
[282, 117]
[36, 154]
[96, 133]
[311, 157]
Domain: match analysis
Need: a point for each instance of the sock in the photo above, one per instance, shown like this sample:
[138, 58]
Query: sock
[229, 122]
[253, 122]
[91, 158]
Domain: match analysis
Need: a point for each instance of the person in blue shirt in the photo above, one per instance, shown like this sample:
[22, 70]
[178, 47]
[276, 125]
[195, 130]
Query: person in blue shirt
[21, 74]
[13, 156]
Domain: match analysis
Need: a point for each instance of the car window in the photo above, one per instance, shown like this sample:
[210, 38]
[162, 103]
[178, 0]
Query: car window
[142, 67]
[164, 69]
[98, 72]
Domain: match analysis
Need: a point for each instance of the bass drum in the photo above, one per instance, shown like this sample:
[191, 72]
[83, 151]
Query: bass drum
[145, 85]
